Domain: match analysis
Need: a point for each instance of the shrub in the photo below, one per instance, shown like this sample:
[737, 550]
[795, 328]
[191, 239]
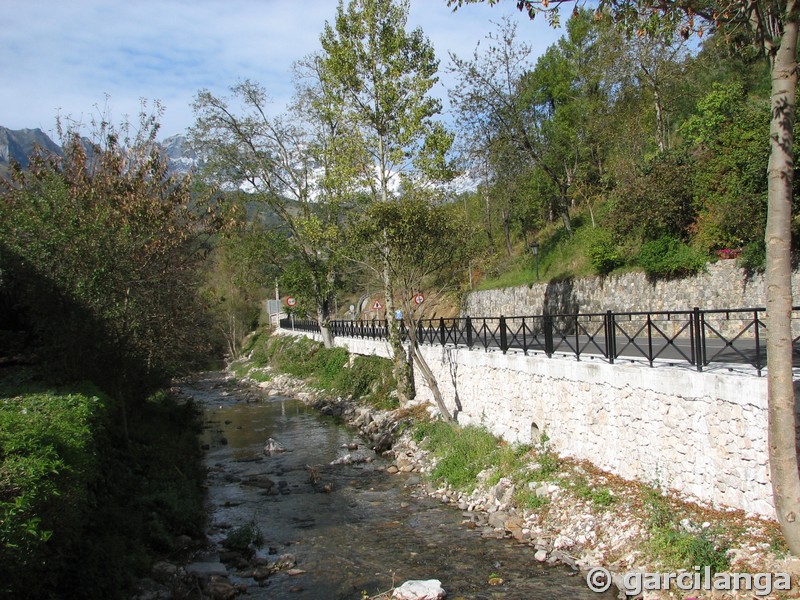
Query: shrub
[754, 256]
[670, 257]
[602, 251]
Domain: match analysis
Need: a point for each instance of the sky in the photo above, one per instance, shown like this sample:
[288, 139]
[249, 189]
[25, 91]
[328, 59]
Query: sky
[87, 58]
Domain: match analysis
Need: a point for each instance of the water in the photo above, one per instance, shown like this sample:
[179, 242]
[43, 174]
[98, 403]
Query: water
[369, 531]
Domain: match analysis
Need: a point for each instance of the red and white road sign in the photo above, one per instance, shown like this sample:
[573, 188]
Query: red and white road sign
[419, 298]
[291, 301]
[377, 305]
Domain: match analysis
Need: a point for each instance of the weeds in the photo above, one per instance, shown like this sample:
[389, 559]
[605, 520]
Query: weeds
[677, 545]
[367, 378]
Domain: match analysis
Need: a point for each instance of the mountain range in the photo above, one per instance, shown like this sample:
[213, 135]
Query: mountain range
[18, 146]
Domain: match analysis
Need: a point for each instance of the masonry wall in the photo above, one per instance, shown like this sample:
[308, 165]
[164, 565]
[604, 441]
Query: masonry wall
[701, 434]
[724, 285]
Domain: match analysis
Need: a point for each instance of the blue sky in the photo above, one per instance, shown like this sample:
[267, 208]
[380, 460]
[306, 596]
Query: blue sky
[81, 57]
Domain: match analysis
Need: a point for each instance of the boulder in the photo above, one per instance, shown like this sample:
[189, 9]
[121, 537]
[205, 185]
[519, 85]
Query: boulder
[415, 589]
[272, 447]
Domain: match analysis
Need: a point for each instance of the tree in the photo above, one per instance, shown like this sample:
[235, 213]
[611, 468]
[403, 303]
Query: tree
[423, 246]
[101, 253]
[276, 161]
[379, 75]
[241, 267]
[773, 28]
[497, 116]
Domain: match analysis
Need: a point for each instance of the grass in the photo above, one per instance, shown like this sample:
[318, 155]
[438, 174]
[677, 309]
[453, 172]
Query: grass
[675, 545]
[366, 378]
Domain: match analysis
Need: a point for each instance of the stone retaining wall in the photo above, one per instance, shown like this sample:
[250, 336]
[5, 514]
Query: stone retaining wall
[722, 286]
[701, 434]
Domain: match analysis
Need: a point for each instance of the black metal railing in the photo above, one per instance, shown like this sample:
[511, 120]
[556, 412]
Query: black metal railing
[697, 337]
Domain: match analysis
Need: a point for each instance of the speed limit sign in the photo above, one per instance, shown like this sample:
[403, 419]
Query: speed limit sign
[291, 301]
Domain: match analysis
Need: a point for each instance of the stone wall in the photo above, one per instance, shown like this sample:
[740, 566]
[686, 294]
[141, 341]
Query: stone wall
[701, 434]
[722, 286]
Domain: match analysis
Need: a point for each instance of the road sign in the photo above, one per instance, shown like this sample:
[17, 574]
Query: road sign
[291, 301]
[377, 305]
[419, 298]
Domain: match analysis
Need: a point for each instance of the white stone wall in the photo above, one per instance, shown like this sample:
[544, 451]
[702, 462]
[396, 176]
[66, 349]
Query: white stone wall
[701, 434]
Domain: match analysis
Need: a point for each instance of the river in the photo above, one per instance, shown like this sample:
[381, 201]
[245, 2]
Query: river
[355, 528]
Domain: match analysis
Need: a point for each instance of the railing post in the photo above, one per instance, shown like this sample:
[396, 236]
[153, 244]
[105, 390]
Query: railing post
[758, 342]
[469, 332]
[503, 335]
[524, 338]
[441, 331]
[548, 334]
[611, 350]
[699, 338]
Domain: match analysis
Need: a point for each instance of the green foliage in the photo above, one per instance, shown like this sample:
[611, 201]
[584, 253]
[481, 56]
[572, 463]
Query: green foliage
[100, 252]
[526, 498]
[78, 506]
[679, 547]
[656, 200]
[462, 452]
[601, 497]
[603, 251]
[48, 462]
[245, 539]
[670, 257]
[367, 378]
[754, 256]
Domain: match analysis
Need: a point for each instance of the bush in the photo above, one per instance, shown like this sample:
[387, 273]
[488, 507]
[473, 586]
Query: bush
[83, 508]
[603, 252]
[369, 378]
[754, 256]
[670, 257]
[48, 462]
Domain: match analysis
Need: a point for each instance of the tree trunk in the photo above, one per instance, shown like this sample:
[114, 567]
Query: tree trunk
[660, 125]
[782, 415]
[324, 320]
[402, 368]
[430, 381]
[507, 232]
[564, 207]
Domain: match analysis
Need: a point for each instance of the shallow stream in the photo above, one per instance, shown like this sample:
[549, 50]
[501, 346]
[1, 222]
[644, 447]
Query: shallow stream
[354, 528]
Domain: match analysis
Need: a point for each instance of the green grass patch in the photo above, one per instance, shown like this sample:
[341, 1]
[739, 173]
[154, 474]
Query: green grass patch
[366, 378]
[674, 545]
[463, 452]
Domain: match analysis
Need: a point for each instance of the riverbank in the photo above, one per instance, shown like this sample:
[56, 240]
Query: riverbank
[569, 512]
[300, 507]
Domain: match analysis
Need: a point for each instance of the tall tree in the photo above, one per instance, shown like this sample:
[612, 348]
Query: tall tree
[773, 28]
[424, 248]
[381, 75]
[276, 160]
[496, 118]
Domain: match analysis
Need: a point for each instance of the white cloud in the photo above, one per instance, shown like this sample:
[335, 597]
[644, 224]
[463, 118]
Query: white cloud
[68, 56]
